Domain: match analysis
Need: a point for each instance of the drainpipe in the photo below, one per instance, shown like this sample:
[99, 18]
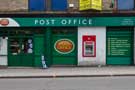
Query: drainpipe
[115, 5]
[134, 4]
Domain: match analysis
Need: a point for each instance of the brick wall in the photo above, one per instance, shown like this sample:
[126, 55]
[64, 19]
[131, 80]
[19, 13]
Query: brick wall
[76, 4]
[22, 5]
[13, 5]
[106, 5]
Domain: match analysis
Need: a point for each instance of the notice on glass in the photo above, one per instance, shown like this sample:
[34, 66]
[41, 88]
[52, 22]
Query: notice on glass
[119, 46]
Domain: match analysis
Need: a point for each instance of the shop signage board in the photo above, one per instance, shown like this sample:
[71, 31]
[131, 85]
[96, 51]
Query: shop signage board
[67, 21]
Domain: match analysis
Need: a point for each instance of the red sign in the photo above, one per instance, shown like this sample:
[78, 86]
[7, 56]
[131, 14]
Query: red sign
[64, 46]
[89, 46]
[4, 22]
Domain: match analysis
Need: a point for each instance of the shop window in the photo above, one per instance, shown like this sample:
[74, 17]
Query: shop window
[125, 4]
[36, 5]
[15, 46]
[24, 45]
[27, 45]
[59, 5]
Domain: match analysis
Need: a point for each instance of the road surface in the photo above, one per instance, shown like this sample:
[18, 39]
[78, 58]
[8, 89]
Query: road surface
[92, 83]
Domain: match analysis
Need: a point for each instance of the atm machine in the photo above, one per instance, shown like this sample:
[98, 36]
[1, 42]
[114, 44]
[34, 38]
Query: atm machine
[3, 51]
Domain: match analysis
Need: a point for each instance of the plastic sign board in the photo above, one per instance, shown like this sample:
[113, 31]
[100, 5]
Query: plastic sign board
[64, 46]
[96, 4]
[90, 4]
[89, 46]
[4, 22]
[84, 4]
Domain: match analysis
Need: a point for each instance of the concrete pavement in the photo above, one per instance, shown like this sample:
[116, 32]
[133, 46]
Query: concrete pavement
[68, 72]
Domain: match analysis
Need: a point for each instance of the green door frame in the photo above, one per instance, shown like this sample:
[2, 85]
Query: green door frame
[48, 52]
[47, 36]
[39, 49]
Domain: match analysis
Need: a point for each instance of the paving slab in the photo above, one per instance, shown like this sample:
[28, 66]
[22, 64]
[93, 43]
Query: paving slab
[54, 72]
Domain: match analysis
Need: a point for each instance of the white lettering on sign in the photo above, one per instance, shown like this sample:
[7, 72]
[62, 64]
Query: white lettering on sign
[45, 22]
[90, 21]
[63, 22]
[76, 21]
[84, 22]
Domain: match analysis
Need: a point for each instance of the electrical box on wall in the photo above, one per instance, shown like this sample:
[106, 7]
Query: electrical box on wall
[125, 4]
[59, 5]
[71, 5]
[37, 5]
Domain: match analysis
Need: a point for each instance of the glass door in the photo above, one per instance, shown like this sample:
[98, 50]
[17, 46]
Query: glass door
[27, 51]
[20, 51]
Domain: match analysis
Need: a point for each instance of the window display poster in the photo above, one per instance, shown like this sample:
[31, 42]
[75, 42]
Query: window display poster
[89, 45]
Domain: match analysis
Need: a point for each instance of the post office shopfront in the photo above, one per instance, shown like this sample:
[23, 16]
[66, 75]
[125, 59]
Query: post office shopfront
[70, 41]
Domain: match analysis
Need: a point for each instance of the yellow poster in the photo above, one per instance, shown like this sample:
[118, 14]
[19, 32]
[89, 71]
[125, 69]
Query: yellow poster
[96, 4]
[90, 4]
[84, 4]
